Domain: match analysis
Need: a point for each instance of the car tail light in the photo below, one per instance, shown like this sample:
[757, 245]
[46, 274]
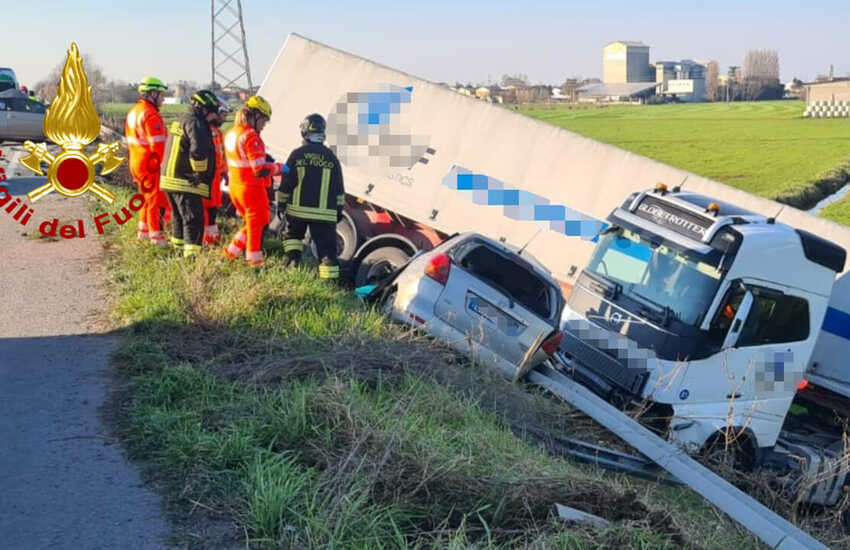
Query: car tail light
[551, 344]
[803, 384]
[438, 268]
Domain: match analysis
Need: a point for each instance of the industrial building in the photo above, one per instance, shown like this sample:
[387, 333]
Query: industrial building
[626, 73]
[837, 89]
[830, 98]
[629, 77]
[626, 61]
[684, 80]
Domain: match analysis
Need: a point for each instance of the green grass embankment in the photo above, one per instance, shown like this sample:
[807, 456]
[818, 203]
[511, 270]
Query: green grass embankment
[765, 148]
[276, 411]
[113, 114]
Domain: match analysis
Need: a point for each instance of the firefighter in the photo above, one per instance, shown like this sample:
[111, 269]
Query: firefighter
[188, 171]
[313, 194]
[145, 133]
[211, 205]
[249, 177]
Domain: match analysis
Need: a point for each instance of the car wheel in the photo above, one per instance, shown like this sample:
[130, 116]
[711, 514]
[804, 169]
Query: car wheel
[385, 305]
[378, 264]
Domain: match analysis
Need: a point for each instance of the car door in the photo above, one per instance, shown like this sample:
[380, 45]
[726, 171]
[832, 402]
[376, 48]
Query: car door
[24, 119]
[2, 119]
[483, 299]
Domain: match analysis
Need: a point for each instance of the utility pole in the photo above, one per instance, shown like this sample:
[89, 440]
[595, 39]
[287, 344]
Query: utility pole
[230, 43]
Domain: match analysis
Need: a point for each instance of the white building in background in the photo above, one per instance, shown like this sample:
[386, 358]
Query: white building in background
[684, 80]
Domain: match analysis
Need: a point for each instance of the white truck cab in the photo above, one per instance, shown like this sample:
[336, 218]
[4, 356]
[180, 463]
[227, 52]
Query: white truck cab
[710, 312]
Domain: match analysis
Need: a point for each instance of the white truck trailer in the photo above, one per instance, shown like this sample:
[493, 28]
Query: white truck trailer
[422, 161]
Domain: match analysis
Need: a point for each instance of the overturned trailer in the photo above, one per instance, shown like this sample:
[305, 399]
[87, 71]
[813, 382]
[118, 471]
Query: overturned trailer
[422, 162]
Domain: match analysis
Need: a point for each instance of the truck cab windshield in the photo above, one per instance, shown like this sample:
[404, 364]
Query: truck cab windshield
[656, 275]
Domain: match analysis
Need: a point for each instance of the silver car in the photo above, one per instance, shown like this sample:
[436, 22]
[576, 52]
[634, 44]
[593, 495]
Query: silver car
[488, 301]
[21, 118]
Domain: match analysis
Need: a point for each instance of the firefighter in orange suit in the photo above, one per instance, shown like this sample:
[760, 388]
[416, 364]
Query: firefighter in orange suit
[146, 135]
[211, 205]
[249, 177]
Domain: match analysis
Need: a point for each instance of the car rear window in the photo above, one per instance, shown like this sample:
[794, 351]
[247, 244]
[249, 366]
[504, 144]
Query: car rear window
[509, 276]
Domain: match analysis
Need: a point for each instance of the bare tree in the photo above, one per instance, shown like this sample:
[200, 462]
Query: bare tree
[761, 75]
[101, 90]
[712, 85]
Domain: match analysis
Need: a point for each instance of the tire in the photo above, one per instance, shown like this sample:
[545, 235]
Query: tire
[346, 240]
[378, 264]
[740, 454]
[385, 304]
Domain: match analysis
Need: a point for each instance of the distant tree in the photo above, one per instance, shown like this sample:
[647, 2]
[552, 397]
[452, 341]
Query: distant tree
[48, 87]
[712, 84]
[518, 80]
[761, 75]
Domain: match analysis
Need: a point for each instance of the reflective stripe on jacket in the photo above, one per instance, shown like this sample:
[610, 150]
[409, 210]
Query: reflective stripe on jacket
[312, 186]
[220, 168]
[246, 158]
[189, 165]
[146, 136]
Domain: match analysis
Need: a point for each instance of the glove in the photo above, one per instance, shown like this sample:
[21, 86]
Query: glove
[269, 158]
[152, 162]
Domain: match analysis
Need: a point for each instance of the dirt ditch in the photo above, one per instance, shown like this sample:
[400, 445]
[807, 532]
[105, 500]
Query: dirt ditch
[811, 194]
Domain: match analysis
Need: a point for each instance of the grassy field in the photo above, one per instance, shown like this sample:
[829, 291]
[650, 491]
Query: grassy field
[114, 113]
[274, 410]
[765, 148]
[838, 211]
[119, 110]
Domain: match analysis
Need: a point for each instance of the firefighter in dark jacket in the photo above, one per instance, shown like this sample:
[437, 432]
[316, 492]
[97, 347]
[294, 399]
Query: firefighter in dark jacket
[188, 171]
[313, 194]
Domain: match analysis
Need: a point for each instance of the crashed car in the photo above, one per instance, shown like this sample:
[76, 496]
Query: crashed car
[491, 302]
[21, 117]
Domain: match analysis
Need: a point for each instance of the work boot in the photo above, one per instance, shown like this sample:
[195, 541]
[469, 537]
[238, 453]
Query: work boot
[158, 240]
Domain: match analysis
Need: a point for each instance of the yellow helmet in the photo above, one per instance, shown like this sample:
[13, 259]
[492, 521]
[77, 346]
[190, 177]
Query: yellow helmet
[258, 103]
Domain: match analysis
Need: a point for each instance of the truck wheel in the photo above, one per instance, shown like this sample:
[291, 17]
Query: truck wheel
[346, 240]
[378, 264]
[739, 454]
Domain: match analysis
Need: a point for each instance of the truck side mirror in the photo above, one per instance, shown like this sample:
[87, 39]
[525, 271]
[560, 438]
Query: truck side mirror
[740, 317]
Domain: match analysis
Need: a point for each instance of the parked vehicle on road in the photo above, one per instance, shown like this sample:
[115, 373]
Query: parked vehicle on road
[21, 117]
[8, 79]
[487, 300]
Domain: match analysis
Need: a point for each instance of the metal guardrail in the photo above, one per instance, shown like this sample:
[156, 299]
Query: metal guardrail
[773, 530]
[609, 459]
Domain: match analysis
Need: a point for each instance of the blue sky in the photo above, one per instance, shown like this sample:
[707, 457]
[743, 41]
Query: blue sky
[435, 39]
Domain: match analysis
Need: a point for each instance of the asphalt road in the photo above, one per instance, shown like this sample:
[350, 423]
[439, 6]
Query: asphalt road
[63, 482]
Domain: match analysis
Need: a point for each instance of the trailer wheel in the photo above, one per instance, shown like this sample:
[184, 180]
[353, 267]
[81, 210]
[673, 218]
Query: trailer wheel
[378, 264]
[346, 240]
